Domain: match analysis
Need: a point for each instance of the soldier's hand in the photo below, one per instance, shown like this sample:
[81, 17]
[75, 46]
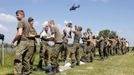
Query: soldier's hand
[12, 45]
[37, 36]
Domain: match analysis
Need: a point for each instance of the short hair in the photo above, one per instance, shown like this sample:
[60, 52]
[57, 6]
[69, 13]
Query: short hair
[21, 12]
[30, 19]
[52, 22]
[80, 28]
[94, 37]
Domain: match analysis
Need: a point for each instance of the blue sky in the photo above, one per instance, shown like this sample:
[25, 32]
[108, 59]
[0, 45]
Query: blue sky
[117, 15]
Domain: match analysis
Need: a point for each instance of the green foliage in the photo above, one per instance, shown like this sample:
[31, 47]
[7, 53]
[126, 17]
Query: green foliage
[108, 33]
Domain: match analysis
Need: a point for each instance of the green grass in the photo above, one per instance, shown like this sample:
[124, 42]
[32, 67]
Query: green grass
[114, 65]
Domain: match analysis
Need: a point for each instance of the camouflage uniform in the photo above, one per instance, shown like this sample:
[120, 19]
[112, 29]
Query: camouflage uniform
[65, 51]
[118, 47]
[75, 53]
[31, 47]
[101, 48]
[106, 47]
[90, 50]
[20, 61]
[44, 52]
[57, 48]
[123, 46]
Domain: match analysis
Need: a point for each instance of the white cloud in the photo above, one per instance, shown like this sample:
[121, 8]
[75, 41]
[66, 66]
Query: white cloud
[3, 29]
[8, 23]
[7, 18]
[2, 10]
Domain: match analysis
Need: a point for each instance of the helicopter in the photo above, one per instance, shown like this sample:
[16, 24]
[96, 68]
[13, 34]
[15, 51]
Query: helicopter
[74, 7]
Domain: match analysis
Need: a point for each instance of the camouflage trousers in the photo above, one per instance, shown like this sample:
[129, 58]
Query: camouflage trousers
[101, 51]
[21, 62]
[31, 55]
[54, 56]
[88, 53]
[64, 52]
[113, 50]
[123, 49]
[75, 54]
[44, 55]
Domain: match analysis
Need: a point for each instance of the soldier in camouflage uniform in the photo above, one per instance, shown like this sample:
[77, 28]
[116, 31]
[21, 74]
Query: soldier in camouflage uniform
[84, 46]
[31, 42]
[75, 53]
[101, 47]
[57, 38]
[44, 52]
[21, 66]
[123, 46]
[106, 47]
[113, 45]
[88, 47]
[119, 46]
[66, 36]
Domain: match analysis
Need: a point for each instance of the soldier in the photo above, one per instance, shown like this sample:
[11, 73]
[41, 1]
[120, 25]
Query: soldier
[84, 39]
[101, 47]
[20, 61]
[57, 38]
[95, 45]
[127, 46]
[32, 42]
[118, 46]
[66, 36]
[106, 47]
[88, 46]
[44, 52]
[122, 46]
[113, 45]
[75, 53]
[84, 46]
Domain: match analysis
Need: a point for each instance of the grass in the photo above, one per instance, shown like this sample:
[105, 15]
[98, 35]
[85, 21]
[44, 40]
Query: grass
[114, 65]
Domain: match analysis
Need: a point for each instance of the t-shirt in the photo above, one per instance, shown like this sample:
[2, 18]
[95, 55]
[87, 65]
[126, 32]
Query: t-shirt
[24, 25]
[56, 32]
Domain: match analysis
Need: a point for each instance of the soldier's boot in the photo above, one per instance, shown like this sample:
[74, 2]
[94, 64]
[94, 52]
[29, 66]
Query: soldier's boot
[40, 64]
[73, 64]
[91, 57]
[78, 63]
[57, 68]
[53, 69]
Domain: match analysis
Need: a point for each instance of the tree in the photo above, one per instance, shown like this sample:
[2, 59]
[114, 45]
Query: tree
[107, 33]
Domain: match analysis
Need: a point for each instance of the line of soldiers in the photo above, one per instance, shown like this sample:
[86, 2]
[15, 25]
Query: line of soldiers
[26, 46]
[106, 46]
